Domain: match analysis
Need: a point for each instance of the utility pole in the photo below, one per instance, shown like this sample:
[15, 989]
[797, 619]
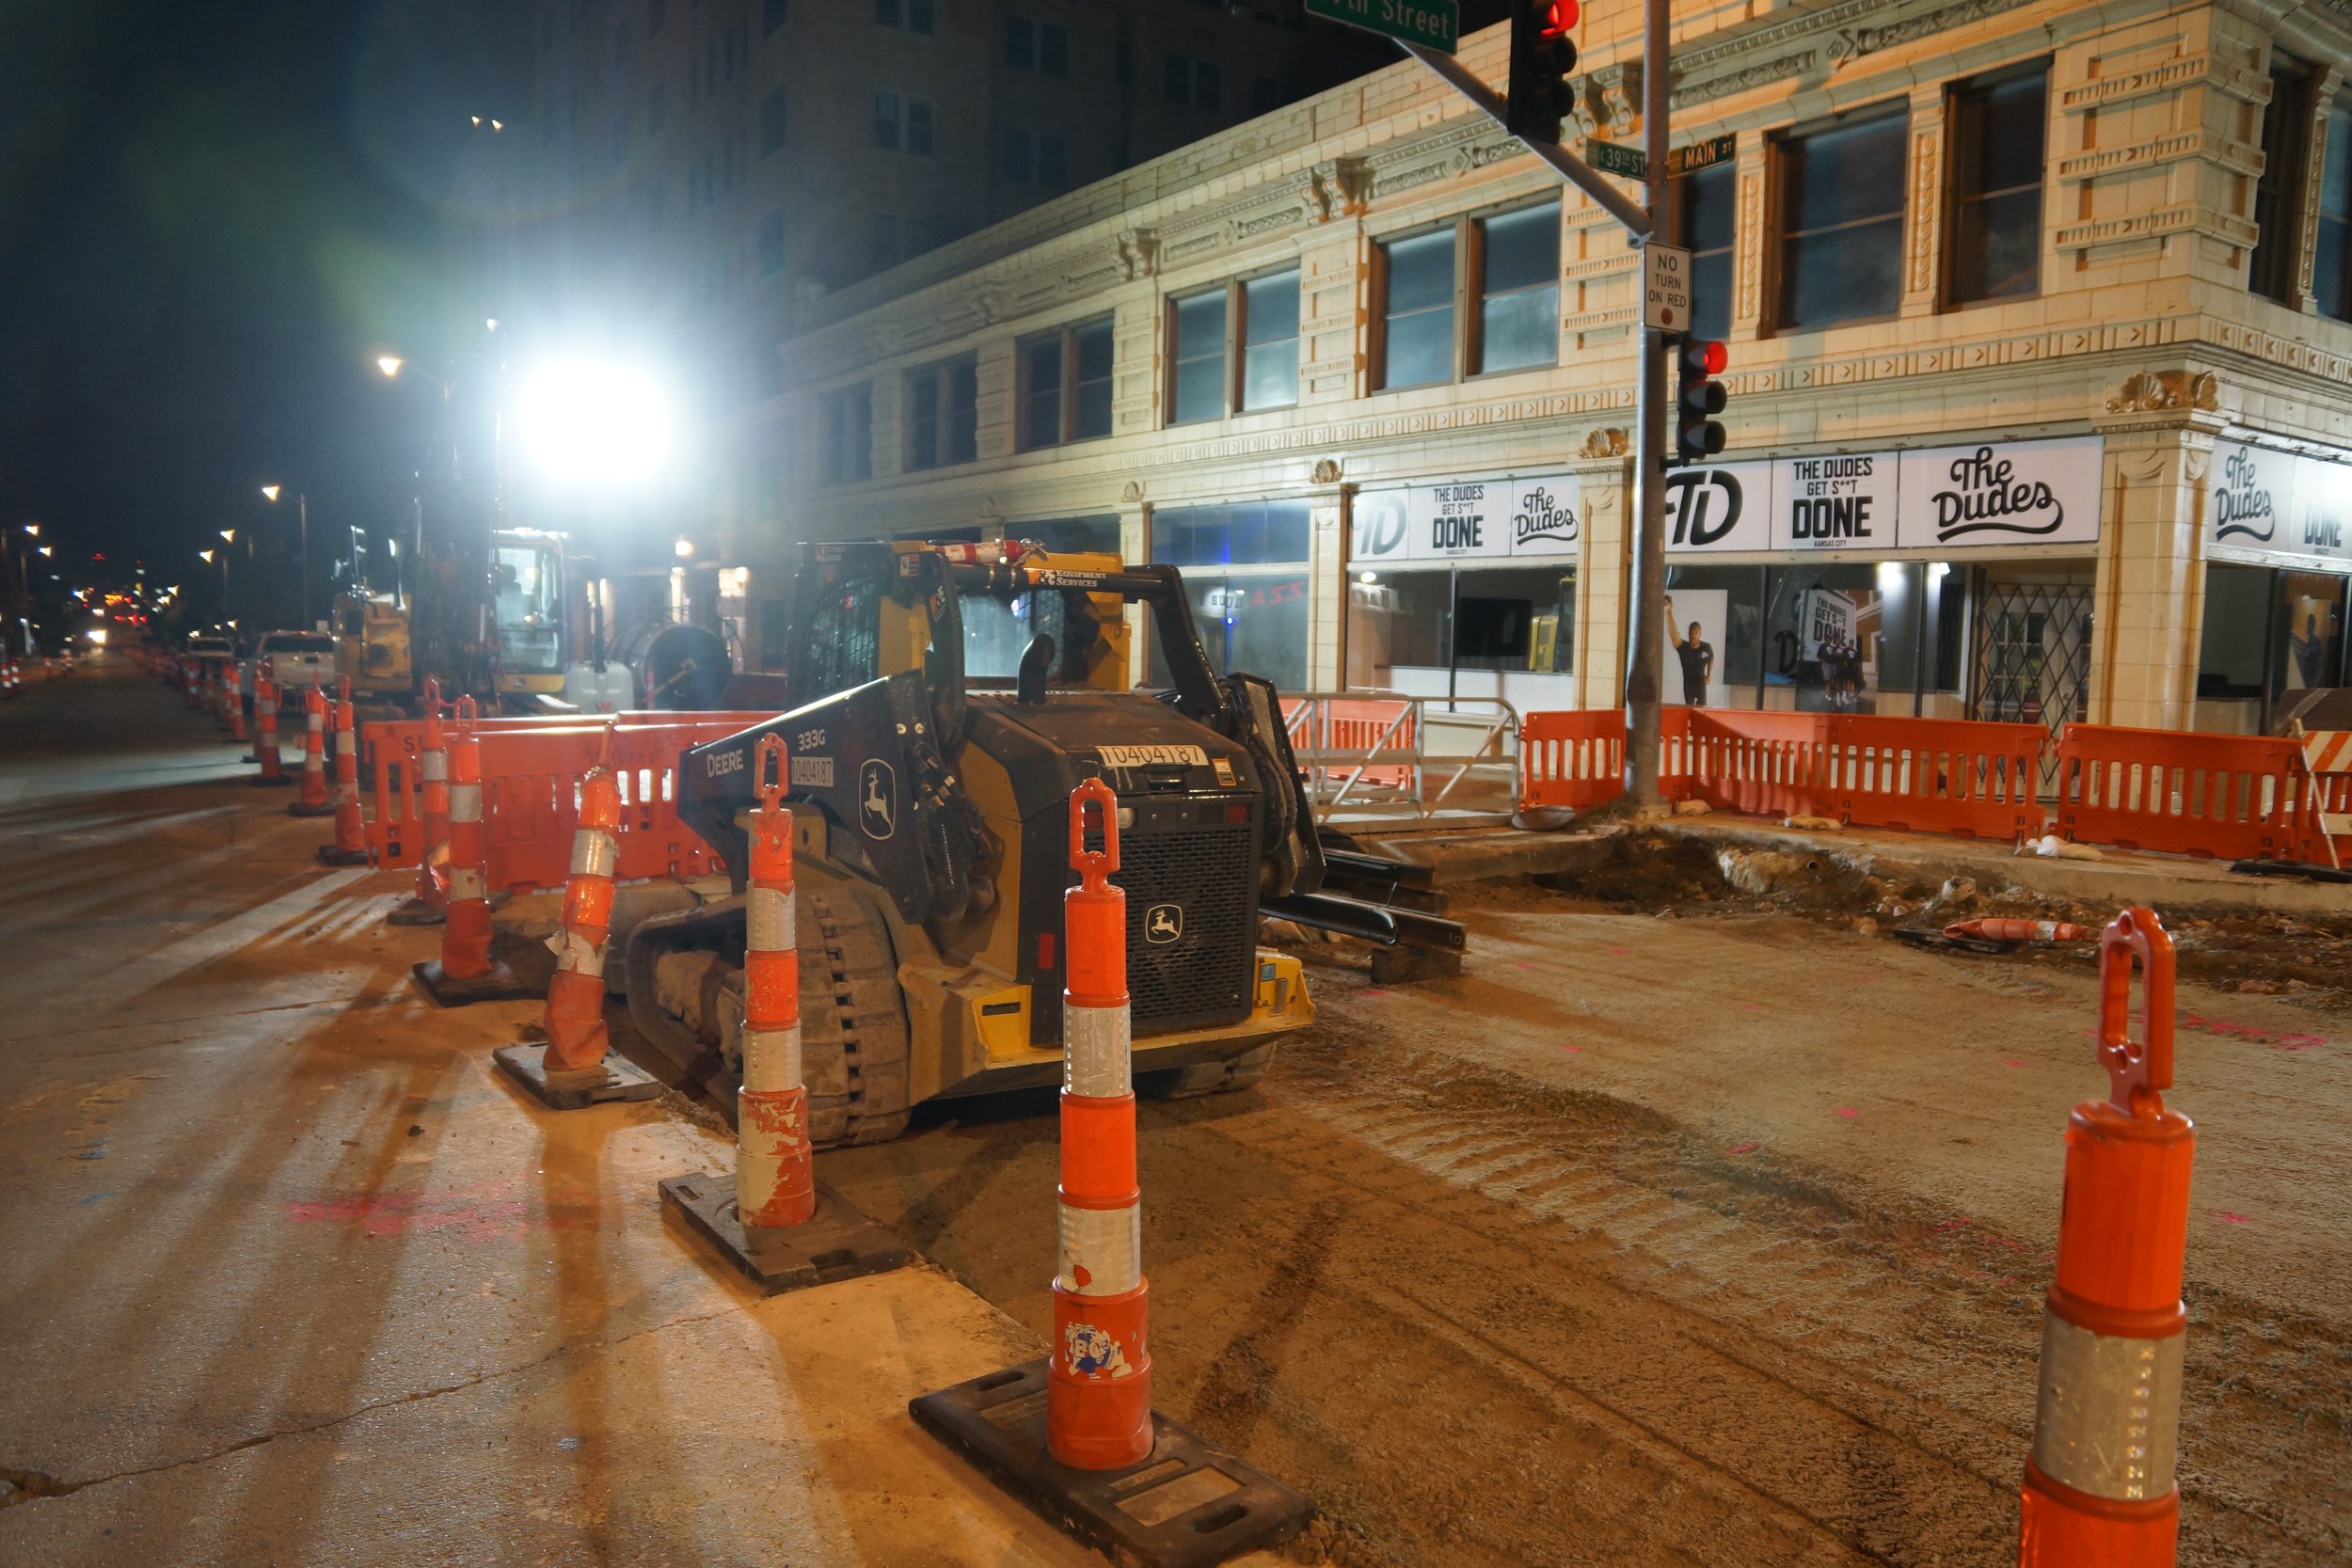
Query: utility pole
[1651, 222]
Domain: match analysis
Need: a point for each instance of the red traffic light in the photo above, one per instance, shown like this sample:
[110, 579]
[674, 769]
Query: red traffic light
[1706, 358]
[1560, 16]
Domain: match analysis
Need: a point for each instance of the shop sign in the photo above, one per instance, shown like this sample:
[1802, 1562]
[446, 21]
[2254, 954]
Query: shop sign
[1719, 509]
[1990, 494]
[2275, 503]
[1837, 502]
[1470, 519]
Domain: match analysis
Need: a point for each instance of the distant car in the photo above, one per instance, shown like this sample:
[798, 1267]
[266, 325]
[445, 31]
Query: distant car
[296, 660]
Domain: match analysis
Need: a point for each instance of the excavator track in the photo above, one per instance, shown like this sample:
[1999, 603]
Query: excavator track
[854, 1039]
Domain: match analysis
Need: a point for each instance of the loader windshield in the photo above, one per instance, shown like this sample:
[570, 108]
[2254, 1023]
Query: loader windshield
[998, 631]
[528, 582]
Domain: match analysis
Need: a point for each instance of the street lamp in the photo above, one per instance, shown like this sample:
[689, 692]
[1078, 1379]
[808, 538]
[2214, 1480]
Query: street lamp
[302, 504]
[392, 364]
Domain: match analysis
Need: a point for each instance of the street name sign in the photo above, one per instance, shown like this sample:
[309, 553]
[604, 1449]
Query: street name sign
[1432, 24]
[1630, 163]
[1665, 287]
[1615, 158]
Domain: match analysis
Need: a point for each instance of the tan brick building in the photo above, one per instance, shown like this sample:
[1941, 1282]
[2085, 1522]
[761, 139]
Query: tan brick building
[2040, 373]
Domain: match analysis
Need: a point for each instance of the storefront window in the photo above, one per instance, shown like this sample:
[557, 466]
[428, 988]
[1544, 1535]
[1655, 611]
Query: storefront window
[1246, 571]
[1445, 630]
[1096, 535]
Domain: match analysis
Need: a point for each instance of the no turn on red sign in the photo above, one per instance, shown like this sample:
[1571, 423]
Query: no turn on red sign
[1666, 288]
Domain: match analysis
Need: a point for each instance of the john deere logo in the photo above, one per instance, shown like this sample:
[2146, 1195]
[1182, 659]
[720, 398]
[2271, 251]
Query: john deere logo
[1163, 923]
[878, 798]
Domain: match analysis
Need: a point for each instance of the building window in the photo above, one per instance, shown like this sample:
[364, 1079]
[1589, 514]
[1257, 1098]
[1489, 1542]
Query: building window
[1509, 265]
[1189, 82]
[1840, 204]
[1246, 572]
[942, 412]
[772, 243]
[902, 124]
[911, 16]
[848, 419]
[772, 15]
[1519, 311]
[657, 12]
[2331, 267]
[1707, 221]
[771, 123]
[1234, 348]
[1042, 48]
[1037, 160]
[2277, 194]
[1993, 215]
[1065, 391]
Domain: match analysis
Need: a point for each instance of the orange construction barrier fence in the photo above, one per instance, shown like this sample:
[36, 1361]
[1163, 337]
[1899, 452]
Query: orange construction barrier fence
[2217, 797]
[1572, 759]
[1352, 724]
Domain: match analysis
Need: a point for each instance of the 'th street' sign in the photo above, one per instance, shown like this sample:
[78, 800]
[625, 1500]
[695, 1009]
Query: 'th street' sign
[1628, 162]
[1432, 24]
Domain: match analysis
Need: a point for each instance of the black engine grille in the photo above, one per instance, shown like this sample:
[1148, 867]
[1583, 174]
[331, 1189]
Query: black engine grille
[1209, 874]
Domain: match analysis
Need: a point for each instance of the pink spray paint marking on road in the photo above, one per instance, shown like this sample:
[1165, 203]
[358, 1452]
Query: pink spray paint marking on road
[1748, 1147]
[1845, 1111]
[2012, 1061]
[2230, 1217]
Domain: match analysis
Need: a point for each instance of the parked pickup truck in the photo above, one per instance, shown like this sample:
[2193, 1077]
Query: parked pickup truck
[296, 660]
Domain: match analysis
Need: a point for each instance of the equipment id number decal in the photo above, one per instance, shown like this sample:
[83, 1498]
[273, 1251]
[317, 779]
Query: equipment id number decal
[1154, 757]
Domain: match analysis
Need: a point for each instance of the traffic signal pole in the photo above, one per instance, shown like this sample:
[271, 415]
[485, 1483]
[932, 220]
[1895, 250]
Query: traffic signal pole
[1650, 221]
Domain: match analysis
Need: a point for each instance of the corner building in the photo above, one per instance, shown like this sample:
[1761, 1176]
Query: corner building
[2039, 319]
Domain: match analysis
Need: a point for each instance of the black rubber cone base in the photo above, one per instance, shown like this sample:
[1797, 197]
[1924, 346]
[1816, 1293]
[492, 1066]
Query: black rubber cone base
[1185, 1506]
[330, 855]
[265, 783]
[835, 1242]
[500, 985]
[616, 1078]
[413, 910]
[296, 808]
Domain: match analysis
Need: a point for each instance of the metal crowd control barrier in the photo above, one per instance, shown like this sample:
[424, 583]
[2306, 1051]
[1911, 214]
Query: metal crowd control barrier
[1376, 748]
[530, 769]
[1921, 775]
[2217, 797]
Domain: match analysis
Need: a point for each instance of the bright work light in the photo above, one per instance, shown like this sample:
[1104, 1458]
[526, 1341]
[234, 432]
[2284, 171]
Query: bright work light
[587, 423]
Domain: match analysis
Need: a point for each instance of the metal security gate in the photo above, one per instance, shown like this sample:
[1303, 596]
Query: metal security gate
[2031, 661]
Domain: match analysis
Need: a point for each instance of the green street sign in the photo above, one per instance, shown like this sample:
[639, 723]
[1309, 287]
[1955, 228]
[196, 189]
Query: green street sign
[1626, 163]
[1432, 24]
[1629, 163]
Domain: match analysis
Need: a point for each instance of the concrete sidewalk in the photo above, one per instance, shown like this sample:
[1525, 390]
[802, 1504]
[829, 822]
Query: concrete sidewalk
[287, 1276]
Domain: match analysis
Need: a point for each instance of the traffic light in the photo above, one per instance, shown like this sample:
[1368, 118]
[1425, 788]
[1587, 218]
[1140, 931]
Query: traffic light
[1698, 399]
[1542, 57]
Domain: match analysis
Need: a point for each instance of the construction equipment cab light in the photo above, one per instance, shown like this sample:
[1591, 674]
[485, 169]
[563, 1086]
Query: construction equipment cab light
[1698, 400]
[587, 423]
[1540, 95]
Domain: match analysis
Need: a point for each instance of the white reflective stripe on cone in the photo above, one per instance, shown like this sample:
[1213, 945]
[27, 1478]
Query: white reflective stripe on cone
[595, 853]
[2109, 1417]
[1095, 1054]
[1107, 1244]
[768, 919]
[464, 882]
[317, 723]
[769, 1126]
[465, 802]
[575, 952]
[436, 766]
[771, 1058]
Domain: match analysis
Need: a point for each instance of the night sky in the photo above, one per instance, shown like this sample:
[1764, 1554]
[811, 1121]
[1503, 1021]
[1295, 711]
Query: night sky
[212, 216]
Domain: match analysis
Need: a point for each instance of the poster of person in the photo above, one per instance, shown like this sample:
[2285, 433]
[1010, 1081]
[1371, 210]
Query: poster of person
[2311, 632]
[1694, 643]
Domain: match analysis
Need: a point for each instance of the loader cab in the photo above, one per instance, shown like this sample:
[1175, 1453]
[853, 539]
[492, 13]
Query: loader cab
[527, 612]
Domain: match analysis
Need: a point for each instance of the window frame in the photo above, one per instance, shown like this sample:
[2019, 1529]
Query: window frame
[1470, 293]
[1067, 335]
[941, 374]
[2341, 105]
[858, 464]
[1234, 380]
[1778, 148]
[2291, 110]
[1950, 198]
[902, 132]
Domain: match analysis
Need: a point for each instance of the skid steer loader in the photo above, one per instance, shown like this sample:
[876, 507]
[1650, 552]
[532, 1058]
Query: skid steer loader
[942, 702]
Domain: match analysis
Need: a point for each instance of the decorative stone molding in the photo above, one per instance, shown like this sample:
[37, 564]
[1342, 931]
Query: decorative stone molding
[1337, 188]
[2181, 218]
[2178, 147]
[1454, 152]
[1609, 99]
[2165, 392]
[2187, 71]
[1131, 492]
[1136, 253]
[1326, 471]
[1927, 144]
[1748, 292]
[1759, 75]
[2322, 101]
[1607, 441]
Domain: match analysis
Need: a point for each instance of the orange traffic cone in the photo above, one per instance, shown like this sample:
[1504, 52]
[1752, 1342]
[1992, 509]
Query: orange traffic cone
[351, 828]
[266, 726]
[314, 801]
[2021, 931]
[2099, 1487]
[429, 904]
[772, 1219]
[465, 973]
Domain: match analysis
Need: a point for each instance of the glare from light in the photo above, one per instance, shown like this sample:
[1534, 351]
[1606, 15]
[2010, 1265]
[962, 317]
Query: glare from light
[205, 556]
[477, 118]
[1938, 570]
[389, 364]
[586, 423]
[497, 125]
[33, 529]
[1890, 575]
[46, 549]
[97, 635]
[269, 492]
[685, 546]
[1367, 579]
[491, 324]
[228, 536]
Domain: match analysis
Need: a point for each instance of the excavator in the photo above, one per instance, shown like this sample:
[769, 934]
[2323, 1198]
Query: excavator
[941, 703]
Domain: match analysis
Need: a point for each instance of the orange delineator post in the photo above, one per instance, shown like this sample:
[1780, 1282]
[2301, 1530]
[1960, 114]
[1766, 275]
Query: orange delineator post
[265, 720]
[236, 714]
[351, 829]
[1098, 1400]
[775, 1174]
[429, 904]
[465, 972]
[2099, 1489]
[314, 801]
[576, 1033]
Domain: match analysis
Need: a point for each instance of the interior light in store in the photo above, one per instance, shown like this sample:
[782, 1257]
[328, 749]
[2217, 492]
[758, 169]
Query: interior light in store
[1367, 579]
[1890, 575]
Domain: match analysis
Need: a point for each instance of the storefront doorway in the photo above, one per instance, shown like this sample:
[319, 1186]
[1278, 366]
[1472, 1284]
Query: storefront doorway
[2031, 659]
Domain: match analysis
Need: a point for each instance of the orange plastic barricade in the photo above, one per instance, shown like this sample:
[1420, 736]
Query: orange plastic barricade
[1767, 764]
[1357, 724]
[1573, 759]
[2217, 797]
[1967, 777]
